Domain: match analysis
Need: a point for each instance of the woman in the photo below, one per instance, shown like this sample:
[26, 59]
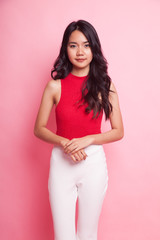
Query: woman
[82, 91]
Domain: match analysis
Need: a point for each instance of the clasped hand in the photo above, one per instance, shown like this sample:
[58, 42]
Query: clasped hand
[75, 147]
[77, 144]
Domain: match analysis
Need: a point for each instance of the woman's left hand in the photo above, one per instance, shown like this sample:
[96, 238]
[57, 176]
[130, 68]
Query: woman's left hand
[76, 144]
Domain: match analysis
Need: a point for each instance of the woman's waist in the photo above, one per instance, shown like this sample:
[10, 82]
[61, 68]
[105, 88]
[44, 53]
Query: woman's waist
[71, 133]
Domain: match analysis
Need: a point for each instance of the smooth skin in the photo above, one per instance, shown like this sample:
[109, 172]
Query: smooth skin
[80, 55]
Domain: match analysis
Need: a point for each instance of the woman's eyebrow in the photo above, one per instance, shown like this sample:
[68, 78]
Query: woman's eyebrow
[76, 42]
[73, 42]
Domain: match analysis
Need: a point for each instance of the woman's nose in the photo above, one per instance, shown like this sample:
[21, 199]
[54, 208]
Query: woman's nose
[79, 51]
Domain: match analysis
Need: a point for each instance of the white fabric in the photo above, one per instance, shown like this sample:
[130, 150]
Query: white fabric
[87, 180]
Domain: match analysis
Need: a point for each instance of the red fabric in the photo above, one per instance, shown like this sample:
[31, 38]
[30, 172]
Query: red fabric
[73, 122]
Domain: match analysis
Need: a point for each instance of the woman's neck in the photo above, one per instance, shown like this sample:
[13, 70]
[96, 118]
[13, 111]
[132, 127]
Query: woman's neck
[80, 72]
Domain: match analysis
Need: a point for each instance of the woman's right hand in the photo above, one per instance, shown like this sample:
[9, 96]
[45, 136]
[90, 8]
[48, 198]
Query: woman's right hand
[76, 157]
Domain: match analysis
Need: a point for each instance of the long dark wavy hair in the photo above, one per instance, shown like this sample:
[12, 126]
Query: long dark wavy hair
[98, 80]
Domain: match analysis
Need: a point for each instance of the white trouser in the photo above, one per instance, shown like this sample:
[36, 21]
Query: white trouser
[87, 180]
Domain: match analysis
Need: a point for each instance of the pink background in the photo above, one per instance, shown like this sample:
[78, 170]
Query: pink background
[31, 33]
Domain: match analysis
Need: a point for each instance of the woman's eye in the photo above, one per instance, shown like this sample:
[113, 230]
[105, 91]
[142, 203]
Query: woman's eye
[72, 46]
[87, 45]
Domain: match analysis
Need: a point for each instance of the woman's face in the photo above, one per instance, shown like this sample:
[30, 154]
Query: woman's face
[79, 51]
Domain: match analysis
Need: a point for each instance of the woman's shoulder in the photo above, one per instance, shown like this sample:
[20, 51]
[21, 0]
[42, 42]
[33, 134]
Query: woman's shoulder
[53, 85]
[112, 87]
[52, 89]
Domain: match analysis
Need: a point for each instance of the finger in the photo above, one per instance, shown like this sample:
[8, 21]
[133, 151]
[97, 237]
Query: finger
[67, 144]
[71, 149]
[83, 153]
[75, 157]
[80, 155]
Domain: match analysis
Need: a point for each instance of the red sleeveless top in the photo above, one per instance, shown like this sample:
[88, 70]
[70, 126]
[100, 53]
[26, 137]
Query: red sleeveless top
[73, 122]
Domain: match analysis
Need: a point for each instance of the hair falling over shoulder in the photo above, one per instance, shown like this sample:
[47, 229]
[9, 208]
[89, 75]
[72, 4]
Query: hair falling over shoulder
[98, 81]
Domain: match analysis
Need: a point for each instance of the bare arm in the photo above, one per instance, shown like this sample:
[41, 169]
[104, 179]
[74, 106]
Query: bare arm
[48, 100]
[50, 97]
[115, 134]
[117, 131]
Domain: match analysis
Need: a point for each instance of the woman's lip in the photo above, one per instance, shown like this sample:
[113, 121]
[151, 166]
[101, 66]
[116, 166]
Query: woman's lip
[80, 60]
